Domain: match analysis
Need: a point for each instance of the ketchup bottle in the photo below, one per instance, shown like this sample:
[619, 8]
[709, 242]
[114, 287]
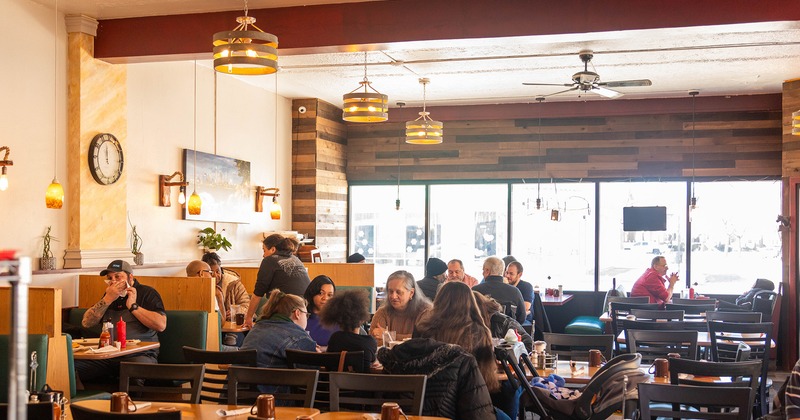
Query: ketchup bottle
[122, 332]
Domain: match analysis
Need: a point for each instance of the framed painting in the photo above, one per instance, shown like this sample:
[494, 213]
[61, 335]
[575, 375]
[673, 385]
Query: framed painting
[223, 184]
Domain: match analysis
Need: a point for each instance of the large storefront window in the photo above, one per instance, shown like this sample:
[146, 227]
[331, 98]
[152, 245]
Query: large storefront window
[625, 255]
[735, 238]
[559, 246]
[469, 223]
[391, 239]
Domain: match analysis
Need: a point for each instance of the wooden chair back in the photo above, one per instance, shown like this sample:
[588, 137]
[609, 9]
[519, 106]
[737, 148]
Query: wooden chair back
[166, 381]
[657, 315]
[351, 361]
[618, 312]
[289, 386]
[741, 374]
[734, 316]
[215, 377]
[371, 391]
[577, 346]
[693, 309]
[652, 344]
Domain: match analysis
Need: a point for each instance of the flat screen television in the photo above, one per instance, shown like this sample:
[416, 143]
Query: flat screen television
[644, 218]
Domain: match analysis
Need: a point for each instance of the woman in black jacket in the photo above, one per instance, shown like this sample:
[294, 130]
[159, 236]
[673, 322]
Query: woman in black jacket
[455, 388]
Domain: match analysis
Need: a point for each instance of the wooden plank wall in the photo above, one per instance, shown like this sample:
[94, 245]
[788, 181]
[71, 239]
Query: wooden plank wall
[791, 175]
[649, 142]
[342, 274]
[319, 184]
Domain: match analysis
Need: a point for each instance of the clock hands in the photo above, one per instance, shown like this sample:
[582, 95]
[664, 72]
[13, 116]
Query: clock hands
[107, 154]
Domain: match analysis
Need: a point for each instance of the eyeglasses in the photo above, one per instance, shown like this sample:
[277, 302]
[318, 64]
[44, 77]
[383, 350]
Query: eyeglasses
[205, 271]
[305, 312]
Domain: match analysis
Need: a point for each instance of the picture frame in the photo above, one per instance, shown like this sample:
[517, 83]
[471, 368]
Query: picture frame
[223, 184]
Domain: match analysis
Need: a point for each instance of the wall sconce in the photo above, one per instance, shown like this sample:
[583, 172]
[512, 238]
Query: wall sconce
[555, 215]
[164, 184]
[275, 208]
[3, 163]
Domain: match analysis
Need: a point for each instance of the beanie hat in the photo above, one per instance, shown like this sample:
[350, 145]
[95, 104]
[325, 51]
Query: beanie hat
[435, 267]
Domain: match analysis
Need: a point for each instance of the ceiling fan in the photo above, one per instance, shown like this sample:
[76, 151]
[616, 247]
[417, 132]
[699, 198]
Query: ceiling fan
[589, 81]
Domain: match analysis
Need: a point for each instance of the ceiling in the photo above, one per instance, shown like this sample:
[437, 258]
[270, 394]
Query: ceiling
[721, 60]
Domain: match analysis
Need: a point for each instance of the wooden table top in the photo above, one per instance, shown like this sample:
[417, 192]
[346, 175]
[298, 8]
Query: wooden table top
[555, 301]
[704, 340]
[231, 327]
[131, 348]
[202, 411]
[582, 374]
[346, 415]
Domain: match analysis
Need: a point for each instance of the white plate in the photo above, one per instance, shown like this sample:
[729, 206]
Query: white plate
[85, 341]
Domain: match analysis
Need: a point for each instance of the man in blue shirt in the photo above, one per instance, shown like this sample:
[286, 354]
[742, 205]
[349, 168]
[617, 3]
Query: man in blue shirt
[514, 277]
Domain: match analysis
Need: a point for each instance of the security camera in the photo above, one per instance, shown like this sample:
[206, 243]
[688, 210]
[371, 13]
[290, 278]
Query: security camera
[301, 110]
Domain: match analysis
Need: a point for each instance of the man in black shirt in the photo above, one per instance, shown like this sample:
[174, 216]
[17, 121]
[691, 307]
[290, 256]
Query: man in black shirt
[494, 285]
[435, 275]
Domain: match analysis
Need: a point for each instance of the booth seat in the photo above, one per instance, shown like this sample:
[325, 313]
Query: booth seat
[585, 324]
[184, 328]
[36, 342]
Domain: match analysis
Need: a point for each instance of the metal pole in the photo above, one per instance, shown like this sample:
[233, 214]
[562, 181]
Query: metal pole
[20, 278]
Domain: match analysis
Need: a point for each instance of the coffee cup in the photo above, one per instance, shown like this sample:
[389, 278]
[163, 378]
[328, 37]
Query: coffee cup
[390, 411]
[264, 406]
[539, 346]
[595, 358]
[660, 368]
[119, 403]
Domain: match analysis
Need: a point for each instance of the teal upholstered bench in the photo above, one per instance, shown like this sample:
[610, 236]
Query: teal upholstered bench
[585, 325]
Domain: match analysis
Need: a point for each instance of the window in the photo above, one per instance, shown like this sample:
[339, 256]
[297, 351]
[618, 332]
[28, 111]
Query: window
[562, 249]
[469, 222]
[391, 239]
[626, 255]
[735, 239]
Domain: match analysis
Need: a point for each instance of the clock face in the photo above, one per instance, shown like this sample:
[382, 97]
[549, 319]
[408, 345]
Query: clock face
[105, 158]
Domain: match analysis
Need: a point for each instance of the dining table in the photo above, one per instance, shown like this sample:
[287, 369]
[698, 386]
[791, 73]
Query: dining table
[549, 300]
[704, 339]
[232, 327]
[87, 349]
[355, 415]
[200, 411]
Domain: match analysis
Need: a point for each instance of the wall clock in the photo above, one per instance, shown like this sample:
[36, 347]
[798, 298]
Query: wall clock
[105, 159]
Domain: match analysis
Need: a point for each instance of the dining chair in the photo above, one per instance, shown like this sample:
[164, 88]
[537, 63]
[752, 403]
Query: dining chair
[83, 413]
[326, 362]
[289, 386]
[678, 401]
[657, 315]
[691, 372]
[367, 392]
[693, 309]
[215, 377]
[577, 346]
[725, 338]
[734, 316]
[653, 344]
[164, 382]
[618, 311]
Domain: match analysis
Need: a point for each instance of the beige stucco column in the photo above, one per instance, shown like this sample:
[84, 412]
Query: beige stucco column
[96, 103]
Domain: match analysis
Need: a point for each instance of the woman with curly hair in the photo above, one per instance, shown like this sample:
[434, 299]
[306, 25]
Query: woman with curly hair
[348, 311]
[281, 326]
[401, 309]
[280, 269]
[318, 294]
[456, 319]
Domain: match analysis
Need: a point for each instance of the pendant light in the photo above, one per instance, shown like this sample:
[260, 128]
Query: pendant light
[365, 106]
[245, 52]
[195, 203]
[693, 200]
[424, 130]
[54, 197]
[539, 99]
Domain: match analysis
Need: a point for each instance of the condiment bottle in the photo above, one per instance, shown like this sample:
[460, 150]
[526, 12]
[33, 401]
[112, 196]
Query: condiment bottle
[122, 332]
[105, 337]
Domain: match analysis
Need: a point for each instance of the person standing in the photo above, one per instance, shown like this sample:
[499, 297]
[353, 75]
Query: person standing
[506, 295]
[455, 272]
[651, 283]
[280, 269]
[435, 275]
[138, 305]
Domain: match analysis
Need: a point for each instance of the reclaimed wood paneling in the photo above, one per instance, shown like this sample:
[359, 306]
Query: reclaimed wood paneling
[727, 143]
[319, 182]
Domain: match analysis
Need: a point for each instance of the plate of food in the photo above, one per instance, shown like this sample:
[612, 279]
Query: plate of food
[77, 347]
[87, 341]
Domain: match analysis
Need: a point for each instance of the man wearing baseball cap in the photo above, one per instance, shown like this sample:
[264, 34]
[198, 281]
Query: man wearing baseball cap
[138, 305]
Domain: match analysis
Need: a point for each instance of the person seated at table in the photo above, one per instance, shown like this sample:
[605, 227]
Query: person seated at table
[498, 322]
[401, 309]
[455, 388]
[435, 275]
[455, 272]
[494, 285]
[138, 305]
[281, 326]
[456, 319]
[651, 283]
[745, 300]
[280, 269]
[356, 258]
[317, 294]
[347, 311]
[229, 288]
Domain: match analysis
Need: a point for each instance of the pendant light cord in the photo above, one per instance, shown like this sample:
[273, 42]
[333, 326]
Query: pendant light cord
[194, 174]
[694, 97]
[276, 130]
[55, 94]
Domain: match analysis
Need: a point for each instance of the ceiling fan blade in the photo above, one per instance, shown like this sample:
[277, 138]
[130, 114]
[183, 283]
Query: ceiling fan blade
[608, 93]
[627, 83]
[559, 92]
[549, 84]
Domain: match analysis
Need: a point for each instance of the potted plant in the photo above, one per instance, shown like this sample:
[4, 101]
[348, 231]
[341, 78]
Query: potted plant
[211, 241]
[136, 245]
[48, 261]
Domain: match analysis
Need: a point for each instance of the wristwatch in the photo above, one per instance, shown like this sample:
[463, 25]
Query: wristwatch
[133, 307]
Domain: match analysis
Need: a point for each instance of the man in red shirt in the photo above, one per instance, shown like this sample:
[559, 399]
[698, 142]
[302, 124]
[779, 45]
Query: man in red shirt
[651, 283]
